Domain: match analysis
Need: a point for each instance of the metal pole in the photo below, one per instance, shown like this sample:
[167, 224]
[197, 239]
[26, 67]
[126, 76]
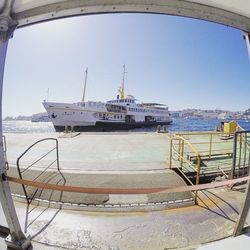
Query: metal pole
[198, 175]
[85, 82]
[16, 239]
[246, 205]
[182, 152]
[243, 213]
[210, 145]
[247, 39]
[234, 156]
[171, 148]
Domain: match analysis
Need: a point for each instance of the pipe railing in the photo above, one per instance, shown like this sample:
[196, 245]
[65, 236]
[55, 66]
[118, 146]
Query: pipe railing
[49, 165]
[210, 143]
[241, 154]
[182, 142]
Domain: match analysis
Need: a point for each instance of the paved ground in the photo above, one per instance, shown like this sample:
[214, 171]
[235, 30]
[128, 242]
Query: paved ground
[91, 151]
[139, 179]
[241, 242]
[108, 160]
[184, 228]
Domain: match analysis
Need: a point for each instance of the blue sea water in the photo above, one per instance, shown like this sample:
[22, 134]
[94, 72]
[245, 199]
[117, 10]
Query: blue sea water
[177, 125]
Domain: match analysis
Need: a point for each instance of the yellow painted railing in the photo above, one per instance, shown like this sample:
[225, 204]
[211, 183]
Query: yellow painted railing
[208, 146]
[188, 152]
[181, 141]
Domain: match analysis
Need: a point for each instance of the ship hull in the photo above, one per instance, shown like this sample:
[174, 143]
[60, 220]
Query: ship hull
[111, 126]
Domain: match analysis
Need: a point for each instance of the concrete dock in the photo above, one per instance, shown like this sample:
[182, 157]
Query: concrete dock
[119, 160]
[212, 219]
[106, 160]
[96, 151]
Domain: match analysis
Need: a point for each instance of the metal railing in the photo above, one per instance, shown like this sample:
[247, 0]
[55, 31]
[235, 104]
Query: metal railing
[191, 150]
[31, 193]
[55, 161]
[210, 144]
[241, 168]
[179, 154]
[241, 154]
[5, 152]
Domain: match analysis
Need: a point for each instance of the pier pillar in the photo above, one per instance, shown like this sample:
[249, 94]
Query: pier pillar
[16, 238]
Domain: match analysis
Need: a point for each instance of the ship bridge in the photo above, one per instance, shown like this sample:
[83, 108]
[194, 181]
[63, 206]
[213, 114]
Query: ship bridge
[15, 14]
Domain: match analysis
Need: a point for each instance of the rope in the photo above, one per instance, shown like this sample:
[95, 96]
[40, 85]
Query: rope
[76, 189]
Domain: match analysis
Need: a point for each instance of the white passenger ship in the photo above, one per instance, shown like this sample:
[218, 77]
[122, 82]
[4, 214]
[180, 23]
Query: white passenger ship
[120, 114]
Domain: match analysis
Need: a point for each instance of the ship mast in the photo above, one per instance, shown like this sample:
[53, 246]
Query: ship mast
[84, 90]
[122, 93]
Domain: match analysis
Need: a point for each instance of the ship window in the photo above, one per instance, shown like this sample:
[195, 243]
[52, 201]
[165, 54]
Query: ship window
[115, 116]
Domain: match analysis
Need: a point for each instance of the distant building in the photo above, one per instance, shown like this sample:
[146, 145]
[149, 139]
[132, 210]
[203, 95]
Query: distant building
[40, 117]
[225, 116]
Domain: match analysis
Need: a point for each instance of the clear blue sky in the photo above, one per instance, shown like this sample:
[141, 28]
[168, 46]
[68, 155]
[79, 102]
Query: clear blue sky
[181, 62]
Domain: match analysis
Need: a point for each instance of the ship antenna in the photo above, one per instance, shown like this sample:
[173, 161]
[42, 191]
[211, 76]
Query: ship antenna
[123, 81]
[84, 90]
